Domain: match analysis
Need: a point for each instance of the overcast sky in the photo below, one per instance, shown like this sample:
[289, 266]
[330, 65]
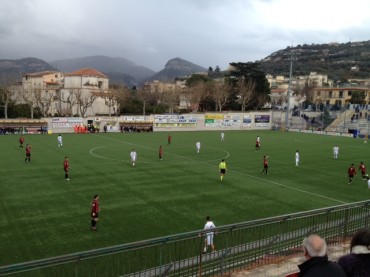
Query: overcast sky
[151, 32]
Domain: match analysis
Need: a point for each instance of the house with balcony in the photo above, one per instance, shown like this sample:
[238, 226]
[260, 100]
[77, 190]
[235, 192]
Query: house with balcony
[84, 92]
[41, 90]
[339, 96]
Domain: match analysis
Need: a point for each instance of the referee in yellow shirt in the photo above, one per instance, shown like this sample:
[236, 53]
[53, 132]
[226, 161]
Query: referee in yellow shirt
[222, 168]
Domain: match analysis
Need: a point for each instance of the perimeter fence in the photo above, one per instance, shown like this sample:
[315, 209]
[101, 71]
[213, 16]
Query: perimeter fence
[238, 247]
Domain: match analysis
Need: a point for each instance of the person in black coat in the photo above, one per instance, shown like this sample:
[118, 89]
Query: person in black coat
[357, 263]
[317, 263]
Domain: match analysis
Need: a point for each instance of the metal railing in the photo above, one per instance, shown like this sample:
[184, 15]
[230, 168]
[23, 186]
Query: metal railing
[238, 246]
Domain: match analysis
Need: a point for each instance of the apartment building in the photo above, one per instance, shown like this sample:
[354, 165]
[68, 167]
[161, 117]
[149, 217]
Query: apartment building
[84, 92]
[339, 96]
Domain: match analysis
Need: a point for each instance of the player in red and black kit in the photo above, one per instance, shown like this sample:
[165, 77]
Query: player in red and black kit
[66, 168]
[351, 173]
[265, 165]
[362, 168]
[160, 152]
[21, 141]
[95, 212]
[28, 153]
[169, 139]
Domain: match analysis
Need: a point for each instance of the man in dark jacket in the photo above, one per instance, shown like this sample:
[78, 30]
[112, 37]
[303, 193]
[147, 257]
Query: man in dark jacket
[357, 263]
[317, 263]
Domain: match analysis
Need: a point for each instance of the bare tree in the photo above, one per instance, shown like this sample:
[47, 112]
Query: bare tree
[28, 97]
[261, 100]
[245, 91]
[144, 95]
[85, 99]
[7, 91]
[170, 97]
[194, 95]
[43, 100]
[111, 100]
[220, 92]
[70, 99]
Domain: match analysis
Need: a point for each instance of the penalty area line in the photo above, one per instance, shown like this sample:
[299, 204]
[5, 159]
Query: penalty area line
[292, 188]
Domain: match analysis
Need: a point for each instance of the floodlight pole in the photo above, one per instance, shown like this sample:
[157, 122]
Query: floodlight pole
[289, 90]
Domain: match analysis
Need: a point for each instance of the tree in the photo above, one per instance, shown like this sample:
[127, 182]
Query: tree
[194, 95]
[8, 90]
[358, 97]
[85, 99]
[220, 92]
[245, 88]
[69, 98]
[251, 71]
[111, 98]
[195, 79]
[170, 98]
[43, 100]
[144, 95]
[28, 97]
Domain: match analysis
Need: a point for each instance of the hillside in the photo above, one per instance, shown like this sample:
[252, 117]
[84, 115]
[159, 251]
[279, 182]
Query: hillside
[177, 68]
[334, 59]
[112, 66]
[15, 68]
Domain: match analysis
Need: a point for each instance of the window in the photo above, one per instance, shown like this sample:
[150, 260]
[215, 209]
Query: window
[341, 94]
[319, 93]
[349, 93]
[330, 94]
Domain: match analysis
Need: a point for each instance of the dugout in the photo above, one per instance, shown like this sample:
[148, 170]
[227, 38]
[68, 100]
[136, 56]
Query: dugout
[355, 132]
[136, 126]
[23, 126]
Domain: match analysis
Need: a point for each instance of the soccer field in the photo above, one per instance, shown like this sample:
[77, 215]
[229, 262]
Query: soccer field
[42, 215]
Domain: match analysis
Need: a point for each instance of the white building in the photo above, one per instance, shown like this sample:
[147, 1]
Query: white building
[84, 92]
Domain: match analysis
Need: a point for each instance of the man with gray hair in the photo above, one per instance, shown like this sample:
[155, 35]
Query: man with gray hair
[317, 262]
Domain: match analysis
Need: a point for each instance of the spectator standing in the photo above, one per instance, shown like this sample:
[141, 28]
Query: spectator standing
[209, 235]
[317, 262]
[357, 263]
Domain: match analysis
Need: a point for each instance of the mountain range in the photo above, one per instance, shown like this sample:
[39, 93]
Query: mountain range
[338, 61]
[119, 70]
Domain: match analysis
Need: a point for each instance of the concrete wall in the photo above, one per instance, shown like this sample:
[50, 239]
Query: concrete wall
[256, 120]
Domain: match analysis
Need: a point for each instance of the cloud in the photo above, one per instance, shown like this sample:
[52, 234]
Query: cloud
[150, 32]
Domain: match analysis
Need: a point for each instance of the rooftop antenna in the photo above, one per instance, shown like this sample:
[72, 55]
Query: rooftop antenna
[289, 89]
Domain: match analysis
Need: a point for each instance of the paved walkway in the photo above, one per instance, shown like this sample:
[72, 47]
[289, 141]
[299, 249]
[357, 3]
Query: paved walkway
[290, 265]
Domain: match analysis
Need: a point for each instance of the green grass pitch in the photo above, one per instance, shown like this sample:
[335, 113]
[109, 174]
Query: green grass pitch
[42, 215]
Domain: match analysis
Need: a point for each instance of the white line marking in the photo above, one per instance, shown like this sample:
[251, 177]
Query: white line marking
[238, 172]
[292, 188]
[151, 149]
